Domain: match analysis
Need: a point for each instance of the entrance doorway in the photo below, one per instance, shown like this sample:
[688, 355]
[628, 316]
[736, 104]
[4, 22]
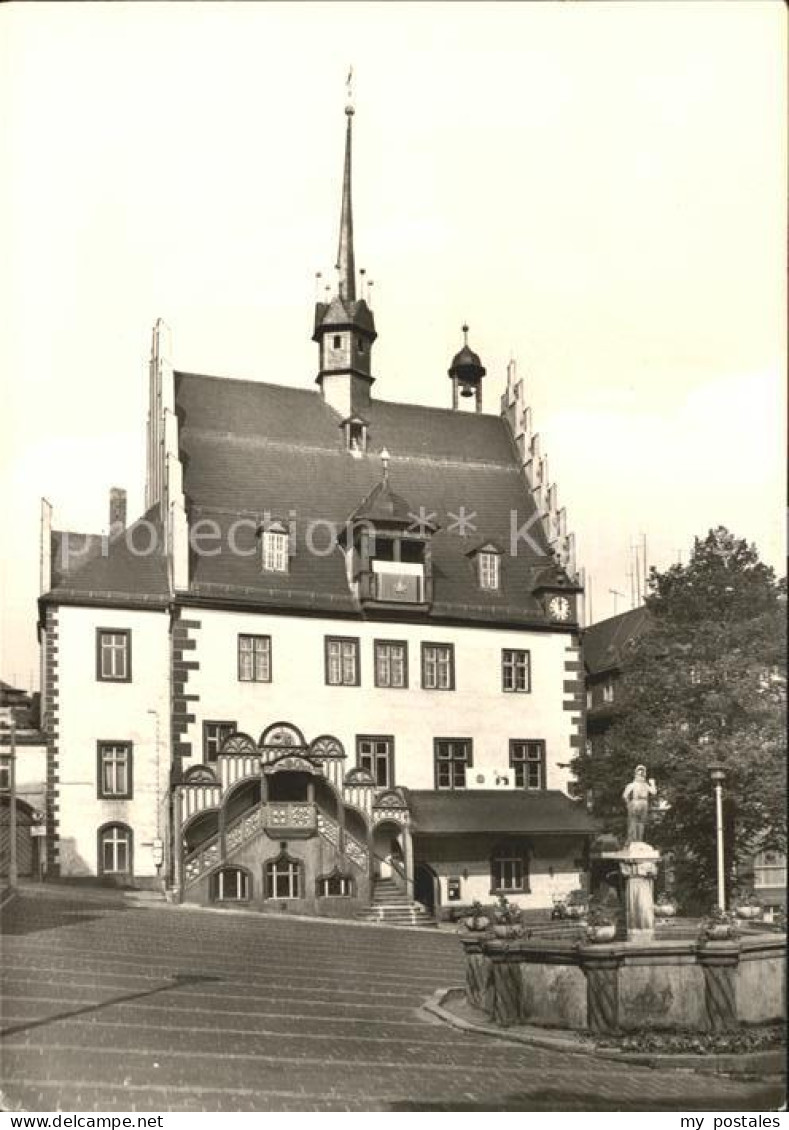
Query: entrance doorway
[427, 889]
[388, 855]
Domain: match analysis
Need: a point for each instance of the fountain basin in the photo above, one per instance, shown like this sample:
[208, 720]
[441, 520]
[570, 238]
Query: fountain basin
[672, 983]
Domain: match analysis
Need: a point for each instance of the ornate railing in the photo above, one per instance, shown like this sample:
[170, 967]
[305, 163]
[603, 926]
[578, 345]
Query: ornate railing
[237, 833]
[355, 850]
[290, 818]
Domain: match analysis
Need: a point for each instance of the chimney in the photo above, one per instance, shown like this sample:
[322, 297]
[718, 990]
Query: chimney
[117, 510]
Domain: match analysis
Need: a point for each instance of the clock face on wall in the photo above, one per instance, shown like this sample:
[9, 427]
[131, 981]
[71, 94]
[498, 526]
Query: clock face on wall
[559, 608]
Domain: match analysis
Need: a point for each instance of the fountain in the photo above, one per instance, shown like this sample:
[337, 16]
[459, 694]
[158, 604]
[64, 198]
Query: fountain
[638, 980]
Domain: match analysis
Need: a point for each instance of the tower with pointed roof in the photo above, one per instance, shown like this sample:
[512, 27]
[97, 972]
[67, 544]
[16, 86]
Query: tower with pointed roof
[344, 324]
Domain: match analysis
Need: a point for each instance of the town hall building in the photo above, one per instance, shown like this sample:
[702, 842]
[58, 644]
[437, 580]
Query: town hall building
[335, 667]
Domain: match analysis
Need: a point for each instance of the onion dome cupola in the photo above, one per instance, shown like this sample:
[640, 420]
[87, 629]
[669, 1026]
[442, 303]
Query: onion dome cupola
[466, 372]
[344, 325]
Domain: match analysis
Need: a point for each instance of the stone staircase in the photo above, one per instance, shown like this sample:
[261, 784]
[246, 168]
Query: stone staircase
[391, 906]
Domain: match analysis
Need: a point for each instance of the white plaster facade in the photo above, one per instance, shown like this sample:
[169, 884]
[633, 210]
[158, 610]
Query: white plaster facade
[92, 711]
[477, 708]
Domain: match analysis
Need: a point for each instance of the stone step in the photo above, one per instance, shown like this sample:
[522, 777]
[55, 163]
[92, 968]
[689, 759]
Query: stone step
[400, 914]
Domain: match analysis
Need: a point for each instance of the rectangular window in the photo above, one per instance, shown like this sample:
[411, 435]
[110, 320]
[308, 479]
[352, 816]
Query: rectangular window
[438, 666]
[453, 758]
[342, 661]
[115, 770]
[113, 655]
[275, 551]
[488, 570]
[608, 690]
[5, 775]
[769, 869]
[589, 699]
[214, 733]
[376, 755]
[527, 760]
[391, 663]
[254, 659]
[516, 671]
[507, 874]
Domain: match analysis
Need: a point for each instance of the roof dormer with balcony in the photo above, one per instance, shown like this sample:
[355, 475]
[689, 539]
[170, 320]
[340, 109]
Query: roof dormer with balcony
[388, 551]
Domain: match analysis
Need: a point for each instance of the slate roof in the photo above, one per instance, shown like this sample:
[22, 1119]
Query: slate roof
[506, 811]
[252, 451]
[87, 568]
[343, 312]
[603, 643]
[249, 448]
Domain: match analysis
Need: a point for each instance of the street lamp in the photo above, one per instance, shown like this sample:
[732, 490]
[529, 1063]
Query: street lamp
[718, 777]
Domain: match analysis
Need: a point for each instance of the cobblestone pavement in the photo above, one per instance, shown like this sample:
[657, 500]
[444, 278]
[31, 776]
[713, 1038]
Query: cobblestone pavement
[108, 1007]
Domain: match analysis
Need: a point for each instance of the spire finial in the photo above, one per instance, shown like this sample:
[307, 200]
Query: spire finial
[349, 110]
[465, 333]
[385, 464]
[345, 261]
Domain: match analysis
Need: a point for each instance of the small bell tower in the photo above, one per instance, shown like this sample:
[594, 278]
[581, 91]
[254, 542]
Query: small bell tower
[344, 325]
[466, 372]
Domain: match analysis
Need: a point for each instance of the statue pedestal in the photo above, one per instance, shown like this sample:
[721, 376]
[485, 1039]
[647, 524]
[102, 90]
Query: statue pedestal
[638, 864]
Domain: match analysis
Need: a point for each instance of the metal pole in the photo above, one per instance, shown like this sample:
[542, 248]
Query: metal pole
[12, 861]
[719, 832]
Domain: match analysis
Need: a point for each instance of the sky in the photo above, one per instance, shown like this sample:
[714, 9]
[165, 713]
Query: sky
[598, 189]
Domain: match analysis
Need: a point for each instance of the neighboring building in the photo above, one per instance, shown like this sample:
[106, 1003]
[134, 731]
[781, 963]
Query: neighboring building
[19, 709]
[350, 673]
[605, 647]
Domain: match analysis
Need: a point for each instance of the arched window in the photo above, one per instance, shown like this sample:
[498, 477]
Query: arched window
[336, 885]
[283, 878]
[115, 849]
[231, 884]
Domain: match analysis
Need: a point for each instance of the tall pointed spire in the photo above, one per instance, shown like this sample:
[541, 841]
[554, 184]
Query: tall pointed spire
[344, 324]
[345, 261]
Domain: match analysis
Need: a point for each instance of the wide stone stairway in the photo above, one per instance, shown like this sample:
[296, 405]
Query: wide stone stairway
[391, 906]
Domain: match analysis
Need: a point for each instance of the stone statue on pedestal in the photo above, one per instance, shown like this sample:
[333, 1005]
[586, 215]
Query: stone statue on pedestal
[636, 797]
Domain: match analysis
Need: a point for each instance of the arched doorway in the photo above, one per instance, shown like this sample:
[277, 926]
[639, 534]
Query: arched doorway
[427, 888]
[26, 846]
[389, 852]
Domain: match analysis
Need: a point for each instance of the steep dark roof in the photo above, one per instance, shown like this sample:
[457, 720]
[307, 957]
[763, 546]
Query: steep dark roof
[603, 643]
[382, 504]
[506, 811]
[250, 447]
[88, 567]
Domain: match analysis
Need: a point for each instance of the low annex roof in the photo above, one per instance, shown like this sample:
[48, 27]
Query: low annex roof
[506, 811]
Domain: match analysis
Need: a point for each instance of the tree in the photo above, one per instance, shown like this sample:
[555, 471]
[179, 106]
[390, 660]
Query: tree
[705, 683]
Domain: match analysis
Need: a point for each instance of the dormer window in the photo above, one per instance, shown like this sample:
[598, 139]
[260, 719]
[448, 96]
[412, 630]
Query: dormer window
[275, 550]
[486, 559]
[356, 437]
[355, 429]
[488, 564]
